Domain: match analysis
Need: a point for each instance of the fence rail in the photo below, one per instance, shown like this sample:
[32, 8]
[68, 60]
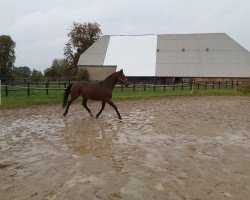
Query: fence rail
[25, 81]
[6, 89]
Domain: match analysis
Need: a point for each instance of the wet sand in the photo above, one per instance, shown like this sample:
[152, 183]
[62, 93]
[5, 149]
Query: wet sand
[169, 148]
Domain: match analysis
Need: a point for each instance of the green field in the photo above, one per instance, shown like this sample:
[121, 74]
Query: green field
[18, 97]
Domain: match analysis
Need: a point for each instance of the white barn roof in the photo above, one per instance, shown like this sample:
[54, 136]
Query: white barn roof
[171, 55]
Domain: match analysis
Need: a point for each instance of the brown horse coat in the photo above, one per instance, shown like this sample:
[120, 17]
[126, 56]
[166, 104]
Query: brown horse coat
[100, 91]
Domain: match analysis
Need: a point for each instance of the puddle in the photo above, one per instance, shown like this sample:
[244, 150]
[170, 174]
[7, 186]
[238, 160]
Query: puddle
[137, 136]
[31, 140]
[28, 129]
[152, 153]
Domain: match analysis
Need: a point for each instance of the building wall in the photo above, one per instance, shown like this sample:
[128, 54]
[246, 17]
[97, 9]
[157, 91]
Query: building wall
[136, 55]
[201, 55]
[171, 80]
[95, 54]
[216, 79]
[98, 73]
[204, 56]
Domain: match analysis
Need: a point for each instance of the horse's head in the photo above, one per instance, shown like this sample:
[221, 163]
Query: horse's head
[122, 78]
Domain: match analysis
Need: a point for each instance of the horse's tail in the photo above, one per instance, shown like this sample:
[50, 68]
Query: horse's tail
[66, 95]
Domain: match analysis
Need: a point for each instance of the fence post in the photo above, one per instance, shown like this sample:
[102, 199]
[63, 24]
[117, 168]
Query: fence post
[232, 84]
[47, 85]
[219, 84]
[28, 89]
[226, 85]
[140, 89]
[182, 86]
[122, 88]
[134, 87]
[192, 87]
[206, 85]
[198, 85]
[154, 86]
[6, 90]
[213, 85]
[173, 86]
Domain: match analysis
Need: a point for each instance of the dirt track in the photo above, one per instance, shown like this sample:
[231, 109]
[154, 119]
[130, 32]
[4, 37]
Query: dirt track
[172, 148]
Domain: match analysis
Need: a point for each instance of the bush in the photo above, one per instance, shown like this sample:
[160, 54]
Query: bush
[244, 88]
[83, 74]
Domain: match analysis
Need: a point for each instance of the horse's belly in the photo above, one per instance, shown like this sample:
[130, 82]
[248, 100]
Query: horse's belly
[96, 95]
[100, 96]
[95, 92]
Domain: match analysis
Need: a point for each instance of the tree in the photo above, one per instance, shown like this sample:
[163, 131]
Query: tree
[81, 37]
[36, 75]
[83, 74]
[50, 72]
[7, 56]
[56, 69]
[21, 72]
[59, 65]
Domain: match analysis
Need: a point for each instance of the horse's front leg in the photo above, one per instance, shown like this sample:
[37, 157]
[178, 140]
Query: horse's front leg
[113, 105]
[103, 106]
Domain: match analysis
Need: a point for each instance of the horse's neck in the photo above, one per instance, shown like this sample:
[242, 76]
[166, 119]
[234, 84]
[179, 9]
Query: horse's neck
[110, 82]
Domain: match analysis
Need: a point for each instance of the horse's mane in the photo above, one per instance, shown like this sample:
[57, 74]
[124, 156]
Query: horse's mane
[110, 76]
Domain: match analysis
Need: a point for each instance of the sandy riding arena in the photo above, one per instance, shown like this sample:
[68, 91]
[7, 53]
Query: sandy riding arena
[170, 148]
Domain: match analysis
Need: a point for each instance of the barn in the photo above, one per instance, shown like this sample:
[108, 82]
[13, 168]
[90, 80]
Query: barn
[168, 57]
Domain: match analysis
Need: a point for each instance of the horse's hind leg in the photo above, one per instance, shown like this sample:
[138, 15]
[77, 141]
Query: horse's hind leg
[113, 105]
[84, 103]
[103, 106]
[73, 98]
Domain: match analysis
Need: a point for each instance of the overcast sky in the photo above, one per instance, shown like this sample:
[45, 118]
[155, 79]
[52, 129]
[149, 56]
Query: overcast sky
[40, 27]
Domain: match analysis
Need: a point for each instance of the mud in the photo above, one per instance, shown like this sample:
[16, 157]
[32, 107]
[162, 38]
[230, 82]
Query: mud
[171, 148]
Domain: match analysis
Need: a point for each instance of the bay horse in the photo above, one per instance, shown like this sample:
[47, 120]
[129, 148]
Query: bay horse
[98, 91]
